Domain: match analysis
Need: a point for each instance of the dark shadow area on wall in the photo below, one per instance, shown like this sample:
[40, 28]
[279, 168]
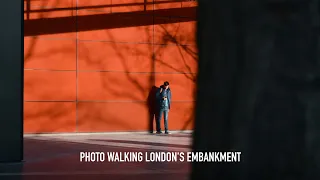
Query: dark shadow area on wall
[53, 159]
[33, 27]
[152, 108]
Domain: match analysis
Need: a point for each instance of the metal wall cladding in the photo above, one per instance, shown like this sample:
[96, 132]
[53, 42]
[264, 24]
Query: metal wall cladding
[90, 65]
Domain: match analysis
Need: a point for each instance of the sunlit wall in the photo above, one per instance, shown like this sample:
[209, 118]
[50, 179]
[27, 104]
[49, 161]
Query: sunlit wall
[90, 65]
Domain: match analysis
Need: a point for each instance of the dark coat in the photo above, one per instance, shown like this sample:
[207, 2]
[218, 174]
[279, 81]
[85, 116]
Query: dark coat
[159, 96]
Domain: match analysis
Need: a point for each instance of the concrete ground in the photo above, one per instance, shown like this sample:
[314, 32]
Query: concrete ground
[58, 157]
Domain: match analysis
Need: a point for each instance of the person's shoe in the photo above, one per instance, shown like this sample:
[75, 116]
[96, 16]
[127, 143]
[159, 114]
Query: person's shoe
[159, 132]
[151, 132]
[167, 132]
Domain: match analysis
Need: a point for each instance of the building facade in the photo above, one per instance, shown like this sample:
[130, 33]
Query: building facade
[92, 65]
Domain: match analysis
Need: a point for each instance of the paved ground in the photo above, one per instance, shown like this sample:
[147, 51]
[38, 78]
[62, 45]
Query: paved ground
[58, 157]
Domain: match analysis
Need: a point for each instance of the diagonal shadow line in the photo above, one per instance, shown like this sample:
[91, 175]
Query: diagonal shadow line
[104, 21]
[184, 62]
[188, 122]
[33, 42]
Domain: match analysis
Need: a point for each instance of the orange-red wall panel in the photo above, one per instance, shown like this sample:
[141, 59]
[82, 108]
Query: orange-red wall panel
[190, 3]
[113, 86]
[41, 53]
[174, 8]
[42, 85]
[112, 116]
[39, 9]
[110, 56]
[169, 31]
[181, 85]
[109, 6]
[96, 3]
[93, 7]
[49, 3]
[131, 5]
[167, 4]
[106, 28]
[90, 64]
[59, 17]
[181, 116]
[40, 117]
[177, 59]
[50, 14]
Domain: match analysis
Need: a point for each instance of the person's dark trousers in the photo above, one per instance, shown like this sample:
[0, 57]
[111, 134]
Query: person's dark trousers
[165, 113]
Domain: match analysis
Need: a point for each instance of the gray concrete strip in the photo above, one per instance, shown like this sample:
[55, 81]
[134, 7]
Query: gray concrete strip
[99, 133]
[116, 144]
[115, 172]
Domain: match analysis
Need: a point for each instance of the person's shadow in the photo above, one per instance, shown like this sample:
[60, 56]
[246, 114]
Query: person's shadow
[152, 108]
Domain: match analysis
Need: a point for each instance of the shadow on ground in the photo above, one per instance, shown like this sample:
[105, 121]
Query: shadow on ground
[58, 157]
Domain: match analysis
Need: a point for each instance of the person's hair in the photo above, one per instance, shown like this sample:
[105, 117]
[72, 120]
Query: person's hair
[166, 83]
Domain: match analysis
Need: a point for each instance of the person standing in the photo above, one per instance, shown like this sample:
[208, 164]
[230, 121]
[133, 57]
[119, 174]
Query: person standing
[163, 97]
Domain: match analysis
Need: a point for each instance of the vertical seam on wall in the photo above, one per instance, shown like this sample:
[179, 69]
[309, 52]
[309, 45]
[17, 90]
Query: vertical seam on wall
[153, 51]
[111, 7]
[76, 65]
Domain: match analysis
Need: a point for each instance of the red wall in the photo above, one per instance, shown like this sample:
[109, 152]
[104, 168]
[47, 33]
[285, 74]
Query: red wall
[89, 64]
